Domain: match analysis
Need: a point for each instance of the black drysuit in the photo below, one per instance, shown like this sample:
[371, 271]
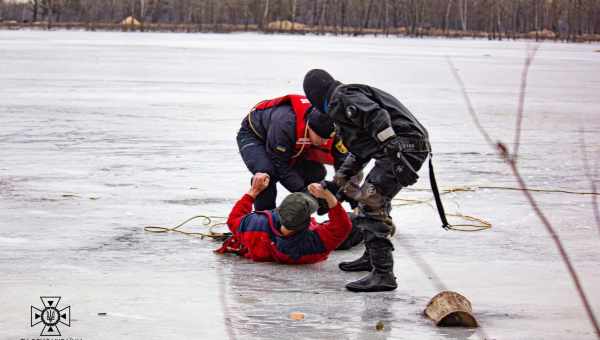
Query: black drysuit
[367, 120]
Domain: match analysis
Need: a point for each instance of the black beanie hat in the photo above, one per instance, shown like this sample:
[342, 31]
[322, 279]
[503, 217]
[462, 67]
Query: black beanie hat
[295, 210]
[319, 123]
[318, 85]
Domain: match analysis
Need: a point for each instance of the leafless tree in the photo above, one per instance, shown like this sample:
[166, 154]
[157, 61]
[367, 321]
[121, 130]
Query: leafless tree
[542, 19]
[511, 160]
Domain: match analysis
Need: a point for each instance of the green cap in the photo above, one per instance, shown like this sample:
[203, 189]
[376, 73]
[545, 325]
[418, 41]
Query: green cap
[295, 210]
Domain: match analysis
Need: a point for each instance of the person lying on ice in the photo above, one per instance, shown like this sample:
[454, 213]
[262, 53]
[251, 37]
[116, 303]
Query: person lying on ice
[373, 125]
[286, 234]
[288, 140]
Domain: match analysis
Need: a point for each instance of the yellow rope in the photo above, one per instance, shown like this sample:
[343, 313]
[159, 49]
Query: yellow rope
[480, 224]
[208, 222]
[483, 224]
[475, 188]
[560, 191]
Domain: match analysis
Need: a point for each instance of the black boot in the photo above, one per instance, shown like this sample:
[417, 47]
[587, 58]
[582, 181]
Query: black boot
[362, 264]
[374, 282]
[381, 278]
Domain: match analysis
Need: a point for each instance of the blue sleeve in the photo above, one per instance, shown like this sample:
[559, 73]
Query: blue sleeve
[281, 139]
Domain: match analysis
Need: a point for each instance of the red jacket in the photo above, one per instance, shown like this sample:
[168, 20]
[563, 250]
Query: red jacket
[256, 235]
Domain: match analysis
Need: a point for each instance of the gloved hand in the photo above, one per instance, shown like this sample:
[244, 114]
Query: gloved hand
[339, 194]
[323, 207]
[393, 148]
[339, 180]
[331, 186]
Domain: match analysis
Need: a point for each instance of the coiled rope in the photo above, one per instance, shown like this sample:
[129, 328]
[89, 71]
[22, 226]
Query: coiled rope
[480, 224]
[475, 188]
[477, 225]
[208, 222]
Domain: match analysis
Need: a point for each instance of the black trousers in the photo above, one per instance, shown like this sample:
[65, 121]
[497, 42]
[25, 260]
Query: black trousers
[254, 155]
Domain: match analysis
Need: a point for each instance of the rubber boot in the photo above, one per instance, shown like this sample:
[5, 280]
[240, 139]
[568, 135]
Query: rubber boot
[362, 264]
[381, 278]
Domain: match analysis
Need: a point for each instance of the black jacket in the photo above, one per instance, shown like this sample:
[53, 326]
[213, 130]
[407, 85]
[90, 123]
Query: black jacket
[276, 127]
[363, 116]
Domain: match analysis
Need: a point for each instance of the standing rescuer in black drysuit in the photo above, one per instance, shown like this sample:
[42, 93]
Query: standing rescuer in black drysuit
[373, 125]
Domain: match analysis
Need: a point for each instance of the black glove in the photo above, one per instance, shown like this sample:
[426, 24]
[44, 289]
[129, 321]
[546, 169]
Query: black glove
[323, 207]
[351, 166]
[339, 180]
[335, 190]
[331, 186]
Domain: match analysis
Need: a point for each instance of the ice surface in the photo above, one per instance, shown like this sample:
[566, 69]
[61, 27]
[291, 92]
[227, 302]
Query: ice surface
[104, 133]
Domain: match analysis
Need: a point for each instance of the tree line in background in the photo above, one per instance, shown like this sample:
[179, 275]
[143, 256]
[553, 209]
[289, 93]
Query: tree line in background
[496, 19]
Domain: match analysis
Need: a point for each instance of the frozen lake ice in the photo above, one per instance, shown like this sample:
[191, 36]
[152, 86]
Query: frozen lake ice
[104, 133]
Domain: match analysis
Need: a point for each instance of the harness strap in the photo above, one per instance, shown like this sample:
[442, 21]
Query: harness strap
[304, 142]
[252, 125]
[436, 194]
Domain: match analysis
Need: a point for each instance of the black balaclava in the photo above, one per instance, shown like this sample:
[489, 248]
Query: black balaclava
[318, 86]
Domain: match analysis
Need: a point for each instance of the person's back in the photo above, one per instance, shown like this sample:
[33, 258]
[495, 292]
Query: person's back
[270, 122]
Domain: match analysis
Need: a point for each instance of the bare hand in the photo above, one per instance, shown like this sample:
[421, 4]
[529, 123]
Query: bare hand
[317, 190]
[260, 182]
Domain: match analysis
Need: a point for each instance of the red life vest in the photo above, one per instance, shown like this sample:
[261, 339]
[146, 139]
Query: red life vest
[322, 153]
[303, 146]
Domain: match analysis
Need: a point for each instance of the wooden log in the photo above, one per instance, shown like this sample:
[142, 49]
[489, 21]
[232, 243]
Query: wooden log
[450, 309]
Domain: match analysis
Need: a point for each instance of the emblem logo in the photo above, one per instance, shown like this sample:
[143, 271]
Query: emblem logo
[341, 147]
[50, 316]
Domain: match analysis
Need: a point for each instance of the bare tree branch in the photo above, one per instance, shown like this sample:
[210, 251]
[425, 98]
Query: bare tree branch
[520, 108]
[555, 238]
[506, 156]
[480, 127]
